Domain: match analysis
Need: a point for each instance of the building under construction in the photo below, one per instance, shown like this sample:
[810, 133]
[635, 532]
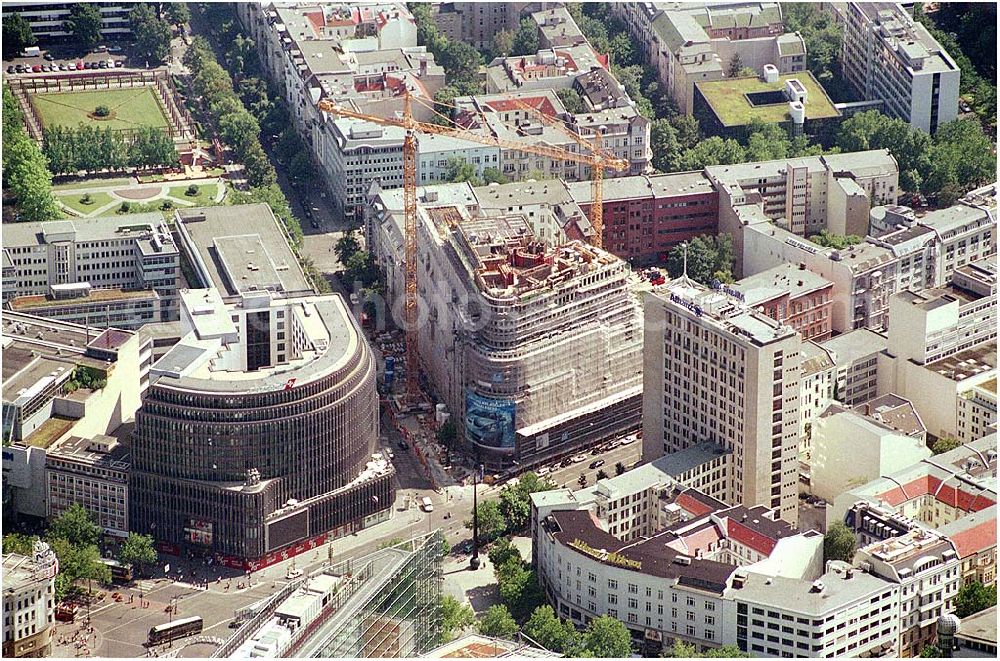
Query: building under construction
[536, 349]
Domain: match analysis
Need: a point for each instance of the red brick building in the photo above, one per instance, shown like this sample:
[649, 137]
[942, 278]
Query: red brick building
[646, 216]
[793, 295]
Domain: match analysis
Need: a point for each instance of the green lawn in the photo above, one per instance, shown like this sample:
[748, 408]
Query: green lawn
[97, 200]
[93, 183]
[205, 197]
[727, 97]
[131, 108]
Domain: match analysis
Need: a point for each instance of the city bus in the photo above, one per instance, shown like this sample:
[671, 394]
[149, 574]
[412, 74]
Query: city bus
[164, 633]
[119, 573]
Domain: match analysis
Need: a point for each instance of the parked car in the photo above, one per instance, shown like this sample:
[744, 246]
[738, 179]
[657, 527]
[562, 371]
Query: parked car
[597, 450]
[315, 225]
[543, 471]
[114, 49]
[119, 64]
[566, 462]
[10, 69]
[578, 458]
[596, 464]
[48, 56]
[628, 439]
[79, 65]
[111, 63]
[403, 445]
[102, 64]
[37, 68]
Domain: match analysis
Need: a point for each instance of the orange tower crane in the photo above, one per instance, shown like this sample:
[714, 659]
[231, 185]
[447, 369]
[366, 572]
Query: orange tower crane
[597, 160]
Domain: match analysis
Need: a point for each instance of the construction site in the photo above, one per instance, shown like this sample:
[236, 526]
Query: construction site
[535, 349]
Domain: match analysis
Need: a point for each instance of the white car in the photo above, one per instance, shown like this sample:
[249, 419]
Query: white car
[293, 573]
[544, 470]
[426, 504]
[578, 458]
[628, 439]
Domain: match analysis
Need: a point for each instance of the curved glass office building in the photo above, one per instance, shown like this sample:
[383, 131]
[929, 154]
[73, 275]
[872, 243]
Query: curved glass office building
[259, 431]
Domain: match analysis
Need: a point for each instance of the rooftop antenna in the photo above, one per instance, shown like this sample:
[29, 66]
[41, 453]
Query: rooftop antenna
[685, 247]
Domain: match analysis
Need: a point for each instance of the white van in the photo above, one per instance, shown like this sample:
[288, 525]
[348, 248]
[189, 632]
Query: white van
[426, 504]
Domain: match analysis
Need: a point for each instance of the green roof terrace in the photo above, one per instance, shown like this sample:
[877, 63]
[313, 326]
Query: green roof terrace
[731, 99]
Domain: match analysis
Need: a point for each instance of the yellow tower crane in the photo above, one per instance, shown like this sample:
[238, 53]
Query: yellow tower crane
[597, 160]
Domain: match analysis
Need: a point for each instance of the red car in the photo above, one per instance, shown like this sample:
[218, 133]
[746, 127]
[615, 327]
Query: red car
[37, 68]
[79, 65]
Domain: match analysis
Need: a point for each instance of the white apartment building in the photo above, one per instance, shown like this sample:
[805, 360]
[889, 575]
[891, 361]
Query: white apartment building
[42, 357]
[62, 259]
[889, 57]
[977, 411]
[941, 344]
[843, 613]
[716, 371]
[353, 154]
[805, 195]
[624, 133]
[548, 69]
[934, 247]
[48, 19]
[855, 354]
[665, 583]
[435, 152]
[92, 472]
[864, 275]
[850, 448]
[818, 380]
[926, 567]
[29, 597]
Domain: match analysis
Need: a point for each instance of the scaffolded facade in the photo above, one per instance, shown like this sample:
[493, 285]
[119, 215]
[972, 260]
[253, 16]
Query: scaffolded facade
[538, 347]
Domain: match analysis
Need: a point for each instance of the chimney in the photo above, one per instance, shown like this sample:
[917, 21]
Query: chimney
[423, 67]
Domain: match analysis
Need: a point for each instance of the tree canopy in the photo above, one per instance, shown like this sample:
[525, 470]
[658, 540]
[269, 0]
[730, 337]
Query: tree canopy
[608, 638]
[76, 525]
[491, 521]
[84, 23]
[455, 616]
[137, 550]
[839, 543]
[25, 170]
[709, 258]
[828, 239]
[515, 500]
[945, 444]
[525, 40]
[975, 597]
[958, 158]
[17, 36]
[152, 33]
[498, 622]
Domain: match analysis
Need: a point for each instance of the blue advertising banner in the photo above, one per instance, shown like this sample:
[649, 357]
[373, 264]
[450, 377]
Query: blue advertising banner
[488, 421]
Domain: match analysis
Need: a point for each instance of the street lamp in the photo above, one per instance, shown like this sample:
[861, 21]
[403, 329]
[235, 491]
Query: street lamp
[474, 560]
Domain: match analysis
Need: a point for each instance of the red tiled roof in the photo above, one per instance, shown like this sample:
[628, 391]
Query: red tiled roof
[899, 495]
[944, 493]
[317, 21]
[748, 537]
[539, 103]
[691, 505]
[975, 539]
